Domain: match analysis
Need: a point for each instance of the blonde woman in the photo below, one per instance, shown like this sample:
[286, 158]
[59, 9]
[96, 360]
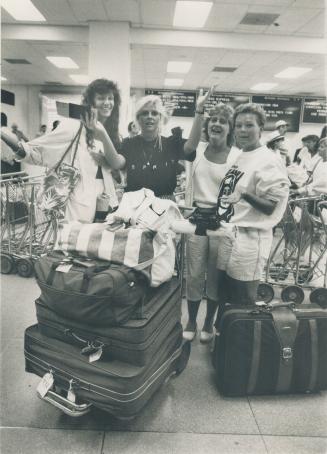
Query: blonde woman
[213, 159]
[151, 160]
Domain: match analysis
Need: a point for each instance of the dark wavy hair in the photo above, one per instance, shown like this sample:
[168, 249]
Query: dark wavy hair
[227, 112]
[102, 87]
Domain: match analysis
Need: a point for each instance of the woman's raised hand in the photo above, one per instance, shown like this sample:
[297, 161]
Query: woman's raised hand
[90, 121]
[202, 99]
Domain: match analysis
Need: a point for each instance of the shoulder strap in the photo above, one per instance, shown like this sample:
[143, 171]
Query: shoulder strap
[76, 138]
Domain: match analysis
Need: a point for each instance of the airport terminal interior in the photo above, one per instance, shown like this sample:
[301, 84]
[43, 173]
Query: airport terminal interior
[268, 52]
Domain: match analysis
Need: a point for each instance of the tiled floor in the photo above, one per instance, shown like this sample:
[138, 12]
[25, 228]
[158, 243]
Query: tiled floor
[187, 415]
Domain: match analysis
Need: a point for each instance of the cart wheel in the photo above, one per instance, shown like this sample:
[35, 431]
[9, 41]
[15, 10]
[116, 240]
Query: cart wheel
[7, 264]
[278, 272]
[183, 358]
[265, 292]
[292, 293]
[305, 274]
[25, 267]
[319, 296]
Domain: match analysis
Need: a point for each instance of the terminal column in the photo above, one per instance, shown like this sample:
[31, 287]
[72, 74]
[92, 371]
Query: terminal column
[109, 57]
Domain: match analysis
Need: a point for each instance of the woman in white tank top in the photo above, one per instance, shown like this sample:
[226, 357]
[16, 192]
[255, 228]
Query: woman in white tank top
[213, 159]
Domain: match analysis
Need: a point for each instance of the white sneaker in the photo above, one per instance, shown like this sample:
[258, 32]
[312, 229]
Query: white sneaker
[206, 337]
[189, 335]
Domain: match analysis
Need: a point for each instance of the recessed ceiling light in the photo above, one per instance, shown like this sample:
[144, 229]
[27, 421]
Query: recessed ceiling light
[292, 72]
[174, 82]
[63, 62]
[179, 67]
[22, 10]
[191, 14]
[3, 78]
[263, 86]
[80, 78]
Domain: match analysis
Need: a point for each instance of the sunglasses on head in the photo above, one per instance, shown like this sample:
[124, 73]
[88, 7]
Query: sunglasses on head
[146, 113]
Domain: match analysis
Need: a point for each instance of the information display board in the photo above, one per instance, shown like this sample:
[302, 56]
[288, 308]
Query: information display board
[178, 103]
[230, 99]
[7, 97]
[280, 108]
[314, 110]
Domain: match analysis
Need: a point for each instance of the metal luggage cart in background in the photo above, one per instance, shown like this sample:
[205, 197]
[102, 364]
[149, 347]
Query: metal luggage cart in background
[298, 260]
[26, 232]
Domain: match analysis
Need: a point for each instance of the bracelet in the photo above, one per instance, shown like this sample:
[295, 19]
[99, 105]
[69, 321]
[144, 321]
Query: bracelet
[199, 112]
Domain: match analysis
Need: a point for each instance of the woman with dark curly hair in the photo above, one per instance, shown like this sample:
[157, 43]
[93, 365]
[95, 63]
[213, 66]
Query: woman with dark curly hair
[96, 153]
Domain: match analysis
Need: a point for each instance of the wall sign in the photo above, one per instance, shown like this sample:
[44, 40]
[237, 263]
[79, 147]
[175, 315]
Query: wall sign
[314, 110]
[178, 103]
[280, 108]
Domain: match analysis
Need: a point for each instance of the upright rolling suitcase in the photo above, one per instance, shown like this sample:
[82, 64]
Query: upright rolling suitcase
[114, 386]
[279, 348]
[135, 342]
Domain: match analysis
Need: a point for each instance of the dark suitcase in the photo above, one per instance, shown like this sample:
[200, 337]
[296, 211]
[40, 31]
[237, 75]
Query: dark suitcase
[101, 292]
[275, 349]
[135, 342]
[116, 387]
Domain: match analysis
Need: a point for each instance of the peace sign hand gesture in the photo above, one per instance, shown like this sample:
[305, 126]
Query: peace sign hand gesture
[202, 99]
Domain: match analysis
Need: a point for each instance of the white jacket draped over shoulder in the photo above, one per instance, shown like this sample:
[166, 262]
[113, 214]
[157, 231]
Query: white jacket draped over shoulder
[47, 151]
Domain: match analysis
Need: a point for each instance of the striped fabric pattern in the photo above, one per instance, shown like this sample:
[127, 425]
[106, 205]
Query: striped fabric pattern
[136, 248]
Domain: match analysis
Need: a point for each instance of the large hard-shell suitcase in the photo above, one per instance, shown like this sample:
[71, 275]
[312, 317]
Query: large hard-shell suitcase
[275, 349]
[134, 342]
[117, 387]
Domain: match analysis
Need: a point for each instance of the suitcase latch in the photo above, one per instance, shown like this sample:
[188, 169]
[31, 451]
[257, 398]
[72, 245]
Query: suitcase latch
[287, 353]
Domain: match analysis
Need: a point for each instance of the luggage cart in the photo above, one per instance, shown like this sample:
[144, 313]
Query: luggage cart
[298, 259]
[26, 232]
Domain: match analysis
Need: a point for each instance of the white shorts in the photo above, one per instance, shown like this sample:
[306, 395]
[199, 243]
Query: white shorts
[201, 260]
[244, 255]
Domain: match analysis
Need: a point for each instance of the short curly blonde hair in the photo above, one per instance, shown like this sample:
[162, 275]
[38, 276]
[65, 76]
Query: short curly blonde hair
[226, 111]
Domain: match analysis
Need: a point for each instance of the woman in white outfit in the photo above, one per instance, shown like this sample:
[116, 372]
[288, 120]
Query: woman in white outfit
[96, 153]
[213, 158]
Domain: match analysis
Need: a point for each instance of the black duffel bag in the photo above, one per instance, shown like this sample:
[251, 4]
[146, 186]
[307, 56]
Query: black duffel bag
[98, 292]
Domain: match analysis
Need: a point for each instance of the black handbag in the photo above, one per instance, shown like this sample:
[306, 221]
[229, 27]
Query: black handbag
[204, 218]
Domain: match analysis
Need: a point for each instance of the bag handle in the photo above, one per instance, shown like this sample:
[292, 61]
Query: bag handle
[76, 138]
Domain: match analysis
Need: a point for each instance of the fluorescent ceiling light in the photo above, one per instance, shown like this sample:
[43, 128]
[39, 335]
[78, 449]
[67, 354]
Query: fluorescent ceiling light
[63, 62]
[174, 82]
[179, 67]
[22, 10]
[292, 72]
[3, 78]
[263, 86]
[80, 78]
[191, 14]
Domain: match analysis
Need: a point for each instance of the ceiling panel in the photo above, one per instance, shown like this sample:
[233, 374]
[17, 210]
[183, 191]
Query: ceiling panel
[293, 19]
[123, 10]
[225, 16]
[157, 12]
[86, 10]
[57, 12]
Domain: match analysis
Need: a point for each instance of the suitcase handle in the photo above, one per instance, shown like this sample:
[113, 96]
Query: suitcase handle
[65, 405]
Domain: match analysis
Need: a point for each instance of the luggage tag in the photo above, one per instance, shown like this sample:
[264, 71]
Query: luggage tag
[95, 355]
[71, 396]
[45, 384]
[64, 267]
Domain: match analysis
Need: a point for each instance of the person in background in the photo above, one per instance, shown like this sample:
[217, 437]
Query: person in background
[317, 184]
[323, 133]
[55, 124]
[132, 129]
[213, 158]
[8, 162]
[275, 143]
[252, 199]
[42, 131]
[150, 159]
[20, 135]
[309, 156]
[282, 127]
[96, 152]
